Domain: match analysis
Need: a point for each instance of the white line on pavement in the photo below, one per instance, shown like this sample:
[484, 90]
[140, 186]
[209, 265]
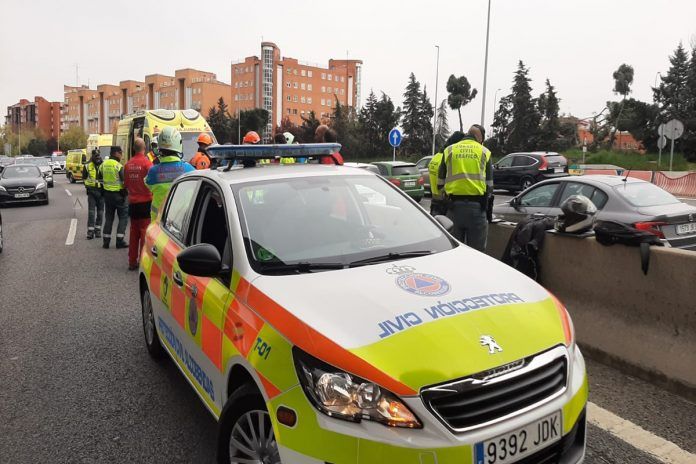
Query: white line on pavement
[663, 450]
[71, 232]
[68, 192]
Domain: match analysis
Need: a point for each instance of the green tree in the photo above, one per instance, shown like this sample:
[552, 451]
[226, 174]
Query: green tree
[623, 78]
[688, 141]
[252, 120]
[387, 117]
[73, 139]
[368, 124]
[309, 127]
[672, 95]
[442, 130]
[524, 125]
[345, 122]
[549, 130]
[639, 118]
[37, 147]
[460, 94]
[417, 116]
[502, 119]
[220, 122]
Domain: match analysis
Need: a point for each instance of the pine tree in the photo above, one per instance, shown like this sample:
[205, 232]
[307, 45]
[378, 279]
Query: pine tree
[368, 124]
[523, 135]
[386, 118]
[501, 127]
[442, 130]
[221, 122]
[425, 124]
[549, 130]
[672, 95]
[412, 115]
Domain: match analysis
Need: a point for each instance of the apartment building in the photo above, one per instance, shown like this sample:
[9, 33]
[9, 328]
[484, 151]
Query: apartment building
[290, 88]
[40, 113]
[98, 111]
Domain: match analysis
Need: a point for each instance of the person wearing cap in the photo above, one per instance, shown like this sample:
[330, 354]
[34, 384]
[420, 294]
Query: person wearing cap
[466, 175]
[438, 204]
[200, 160]
[95, 195]
[115, 198]
[160, 176]
[139, 201]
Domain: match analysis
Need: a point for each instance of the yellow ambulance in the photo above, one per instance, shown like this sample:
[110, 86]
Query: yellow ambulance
[73, 164]
[147, 124]
[101, 141]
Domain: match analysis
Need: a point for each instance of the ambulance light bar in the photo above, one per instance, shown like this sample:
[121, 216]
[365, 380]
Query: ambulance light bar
[259, 152]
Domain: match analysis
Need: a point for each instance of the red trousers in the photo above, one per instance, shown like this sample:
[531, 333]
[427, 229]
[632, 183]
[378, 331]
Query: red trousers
[137, 239]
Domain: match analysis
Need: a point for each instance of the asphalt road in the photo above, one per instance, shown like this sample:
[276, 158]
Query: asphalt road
[77, 385]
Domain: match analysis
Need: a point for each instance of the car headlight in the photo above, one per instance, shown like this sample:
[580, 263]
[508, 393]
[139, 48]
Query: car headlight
[345, 396]
[2, 189]
[566, 322]
[40, 185]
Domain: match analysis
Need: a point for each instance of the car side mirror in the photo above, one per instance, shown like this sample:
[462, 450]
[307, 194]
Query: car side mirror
[445, 222]
[515, 202]
[201, 260]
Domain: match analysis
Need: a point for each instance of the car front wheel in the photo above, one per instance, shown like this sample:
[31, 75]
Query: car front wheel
[71, 178]
[246, 432]
[151, 339]
[526, 183]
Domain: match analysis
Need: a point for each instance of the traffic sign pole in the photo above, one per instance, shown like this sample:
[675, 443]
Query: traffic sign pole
[394, 156]
[394, 138]
[671, 154]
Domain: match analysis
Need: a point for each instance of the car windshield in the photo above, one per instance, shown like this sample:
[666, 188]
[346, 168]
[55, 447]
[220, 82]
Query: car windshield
[190, 143]
[405, 170]
[645, 194]
[35, 161]
[332, 219]
[59, 158]
[17, 172]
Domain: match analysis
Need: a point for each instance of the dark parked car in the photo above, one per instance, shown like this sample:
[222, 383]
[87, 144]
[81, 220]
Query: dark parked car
[630, 201]
[404, 175]
[21, 183]
[519, 171]
[44, 164]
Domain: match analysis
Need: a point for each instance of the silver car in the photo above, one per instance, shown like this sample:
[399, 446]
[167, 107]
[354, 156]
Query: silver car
[630, 201]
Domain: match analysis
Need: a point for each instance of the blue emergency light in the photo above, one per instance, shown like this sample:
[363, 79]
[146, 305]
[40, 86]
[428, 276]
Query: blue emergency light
[259, 152]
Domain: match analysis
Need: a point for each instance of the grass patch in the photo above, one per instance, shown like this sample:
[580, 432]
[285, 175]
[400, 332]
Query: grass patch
[630, 160]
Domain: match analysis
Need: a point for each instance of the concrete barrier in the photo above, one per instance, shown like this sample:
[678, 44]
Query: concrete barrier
[644, 322]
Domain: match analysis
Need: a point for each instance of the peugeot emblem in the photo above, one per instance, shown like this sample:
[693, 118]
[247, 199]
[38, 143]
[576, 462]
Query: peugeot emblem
[493, 347]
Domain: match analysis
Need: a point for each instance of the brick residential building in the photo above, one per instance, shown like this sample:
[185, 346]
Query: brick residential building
[38, 114]
[289, 88]
[98, 111]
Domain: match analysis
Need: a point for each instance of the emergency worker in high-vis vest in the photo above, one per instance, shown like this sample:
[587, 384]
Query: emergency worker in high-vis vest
[160, 176]
[115, 198]
[466, 174]
[95, 196]
[438, 203]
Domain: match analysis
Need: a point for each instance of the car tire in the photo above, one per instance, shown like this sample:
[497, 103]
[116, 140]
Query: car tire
[526, 183]
[70, 178]
[50, 185]
[152, 342]
[245, 408]
[418, 199]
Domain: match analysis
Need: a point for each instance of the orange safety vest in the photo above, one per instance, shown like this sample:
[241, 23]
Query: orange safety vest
[200, 161]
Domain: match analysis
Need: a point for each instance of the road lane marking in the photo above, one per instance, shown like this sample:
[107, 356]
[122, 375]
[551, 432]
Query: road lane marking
[68, 192]
[71, 232]
[636, 436]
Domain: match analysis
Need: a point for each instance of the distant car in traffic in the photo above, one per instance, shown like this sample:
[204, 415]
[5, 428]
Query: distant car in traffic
[366, 166]
[519, 171]
[42, 163]
[404, 175]
[21, 183]
[58, 163]
[422, 165]
[630, 201]
[73, 164]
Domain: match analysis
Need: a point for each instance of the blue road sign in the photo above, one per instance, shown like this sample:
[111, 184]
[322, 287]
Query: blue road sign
[395, 137]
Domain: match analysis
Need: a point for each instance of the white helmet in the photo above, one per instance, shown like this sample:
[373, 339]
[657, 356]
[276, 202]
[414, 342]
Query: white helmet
[289, 138]
[169, 138]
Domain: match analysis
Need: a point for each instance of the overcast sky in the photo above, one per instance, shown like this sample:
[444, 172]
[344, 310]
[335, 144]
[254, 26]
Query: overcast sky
[576, 44]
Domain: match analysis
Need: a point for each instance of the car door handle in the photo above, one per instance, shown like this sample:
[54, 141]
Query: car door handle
[153, 250]
[177, 279]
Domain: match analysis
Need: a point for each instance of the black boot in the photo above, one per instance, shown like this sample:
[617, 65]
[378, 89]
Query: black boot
[97, 233]
[106, 243]
[90, 234]
[120, 243]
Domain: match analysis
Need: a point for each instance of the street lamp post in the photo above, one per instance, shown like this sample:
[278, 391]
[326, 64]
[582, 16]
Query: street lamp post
[495, 102]
[437, 75]
[485, 66]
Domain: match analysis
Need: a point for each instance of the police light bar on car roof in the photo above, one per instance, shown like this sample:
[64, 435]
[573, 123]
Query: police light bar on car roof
[258, 152]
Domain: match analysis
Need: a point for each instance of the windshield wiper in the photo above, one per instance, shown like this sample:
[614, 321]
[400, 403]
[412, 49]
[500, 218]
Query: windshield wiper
[301, 267]
[390, 257]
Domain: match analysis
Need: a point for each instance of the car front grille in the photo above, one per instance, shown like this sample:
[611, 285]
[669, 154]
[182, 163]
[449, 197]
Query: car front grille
[25, 189]
[494, 395]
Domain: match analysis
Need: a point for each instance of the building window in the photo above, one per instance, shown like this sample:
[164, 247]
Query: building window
[294, 98]
[302, 86]
[294, 71]
[236, 98]
[294, 111]
[343, 91]
[309, 73]
[309, 87]
[288, 84]
[302, 112]
[309, 100]
[303, 73]
[329, 76]
[288, 98]
[303, 100]
[323, 75]
[289, 110]
[323, 89]
[294, 84]
[329, 90]
[323, 102]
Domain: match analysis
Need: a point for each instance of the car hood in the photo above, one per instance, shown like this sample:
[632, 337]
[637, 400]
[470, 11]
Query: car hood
[20, 181]
[420, 321]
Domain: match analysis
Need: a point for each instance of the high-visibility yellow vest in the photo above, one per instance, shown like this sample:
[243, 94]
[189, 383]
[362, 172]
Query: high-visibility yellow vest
[287, 160]
[91, 180]
[110, 169]
[466, 168]
[433, 170]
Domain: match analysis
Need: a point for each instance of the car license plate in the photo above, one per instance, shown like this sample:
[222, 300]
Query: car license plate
[683, 229]
[409, 183]
[21, 195]
[557, 169]
[520, 443]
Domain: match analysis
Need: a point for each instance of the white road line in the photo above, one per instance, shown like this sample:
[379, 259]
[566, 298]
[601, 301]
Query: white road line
[663, 450]
[71, 232]
[68, 192]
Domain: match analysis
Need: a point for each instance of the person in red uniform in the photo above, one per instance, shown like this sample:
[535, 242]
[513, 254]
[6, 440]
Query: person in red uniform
[324, 134]
[139, 200]
[200, 160]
